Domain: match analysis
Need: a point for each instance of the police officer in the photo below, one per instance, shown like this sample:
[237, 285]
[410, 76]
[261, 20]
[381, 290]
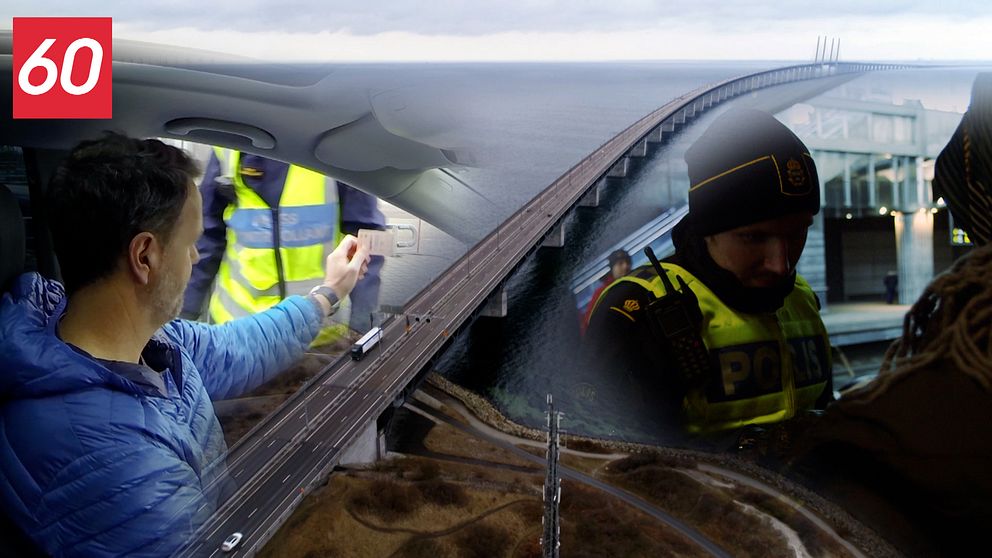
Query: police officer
[268, 227]
[735, 338]
[619, 264]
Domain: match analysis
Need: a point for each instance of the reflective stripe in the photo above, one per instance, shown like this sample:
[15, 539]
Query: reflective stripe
[765, 368]
[227, 170]
[223, 308]
[249, 278]
[242, 300]
[256, 266]
[299, 226]
[254, 300]
[301, 287]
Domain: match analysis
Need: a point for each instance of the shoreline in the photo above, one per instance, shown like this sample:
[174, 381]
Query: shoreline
[486, 412]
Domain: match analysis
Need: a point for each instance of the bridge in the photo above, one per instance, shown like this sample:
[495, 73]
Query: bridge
[334, 416]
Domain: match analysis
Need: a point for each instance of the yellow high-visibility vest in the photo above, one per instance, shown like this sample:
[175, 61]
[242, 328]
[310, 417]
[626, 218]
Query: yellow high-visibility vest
[764, 367]
[253, 274]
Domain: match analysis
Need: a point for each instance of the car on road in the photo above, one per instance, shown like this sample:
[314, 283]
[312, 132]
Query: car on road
[230, 543]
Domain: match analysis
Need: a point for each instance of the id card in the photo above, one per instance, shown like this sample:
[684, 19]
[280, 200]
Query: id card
[378, 243]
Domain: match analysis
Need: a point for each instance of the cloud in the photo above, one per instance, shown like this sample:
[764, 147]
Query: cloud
[483, 30]
[483, 17]
[903, 38]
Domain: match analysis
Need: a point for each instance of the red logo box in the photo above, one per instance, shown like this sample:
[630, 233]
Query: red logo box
[62, 67]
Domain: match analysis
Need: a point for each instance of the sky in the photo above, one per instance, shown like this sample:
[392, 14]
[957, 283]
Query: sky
[542, 30]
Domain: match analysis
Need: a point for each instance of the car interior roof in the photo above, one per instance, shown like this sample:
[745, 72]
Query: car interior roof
[319, 116]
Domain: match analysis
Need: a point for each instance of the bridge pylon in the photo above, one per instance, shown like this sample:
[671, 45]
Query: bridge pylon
[550, 541]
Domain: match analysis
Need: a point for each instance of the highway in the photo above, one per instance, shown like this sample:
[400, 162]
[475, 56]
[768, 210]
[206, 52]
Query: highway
[353, 394]
[292, 450]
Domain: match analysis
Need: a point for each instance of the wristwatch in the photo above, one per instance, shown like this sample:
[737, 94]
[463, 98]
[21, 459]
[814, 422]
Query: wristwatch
[327, 293]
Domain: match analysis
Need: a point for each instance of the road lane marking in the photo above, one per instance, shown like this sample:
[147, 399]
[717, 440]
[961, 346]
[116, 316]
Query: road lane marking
[253, 512]
[316, 429]
[249, 491]
[270, 443]
[258, 441]
[287, 478]
[289, 413]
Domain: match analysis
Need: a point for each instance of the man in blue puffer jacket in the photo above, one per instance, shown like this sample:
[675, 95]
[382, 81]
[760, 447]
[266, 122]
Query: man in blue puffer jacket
[109, 444]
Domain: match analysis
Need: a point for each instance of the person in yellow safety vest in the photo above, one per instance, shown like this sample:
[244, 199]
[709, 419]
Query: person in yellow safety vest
[739, 341]
[268, 227]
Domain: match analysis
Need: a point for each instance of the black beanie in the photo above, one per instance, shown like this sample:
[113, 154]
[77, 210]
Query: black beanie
[747, 167]
[618, 256]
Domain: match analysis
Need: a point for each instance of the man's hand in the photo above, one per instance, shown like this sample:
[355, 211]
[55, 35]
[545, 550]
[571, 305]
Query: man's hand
[345, 266]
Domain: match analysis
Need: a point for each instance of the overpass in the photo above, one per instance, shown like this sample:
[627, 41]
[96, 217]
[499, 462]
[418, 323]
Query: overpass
[335, 414]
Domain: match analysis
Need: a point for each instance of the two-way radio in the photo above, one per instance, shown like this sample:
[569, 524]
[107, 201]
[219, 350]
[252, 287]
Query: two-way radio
[676, 318]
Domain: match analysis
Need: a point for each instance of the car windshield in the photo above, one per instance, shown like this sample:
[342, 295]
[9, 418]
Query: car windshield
[638, 307]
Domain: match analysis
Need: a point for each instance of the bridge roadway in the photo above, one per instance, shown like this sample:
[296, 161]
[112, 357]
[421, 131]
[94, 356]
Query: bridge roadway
[291, 451]
[355, 393]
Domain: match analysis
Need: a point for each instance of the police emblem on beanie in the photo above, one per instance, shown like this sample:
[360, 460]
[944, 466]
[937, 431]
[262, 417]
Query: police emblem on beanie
[747, 167]
[797, 179]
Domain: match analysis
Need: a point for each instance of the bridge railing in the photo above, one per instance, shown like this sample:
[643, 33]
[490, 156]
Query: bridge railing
[587, 171]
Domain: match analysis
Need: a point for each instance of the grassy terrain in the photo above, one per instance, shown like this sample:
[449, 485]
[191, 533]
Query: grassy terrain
[441, 506]
[418, 507]
[451, 441]
[381, 513]
[717, 511]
